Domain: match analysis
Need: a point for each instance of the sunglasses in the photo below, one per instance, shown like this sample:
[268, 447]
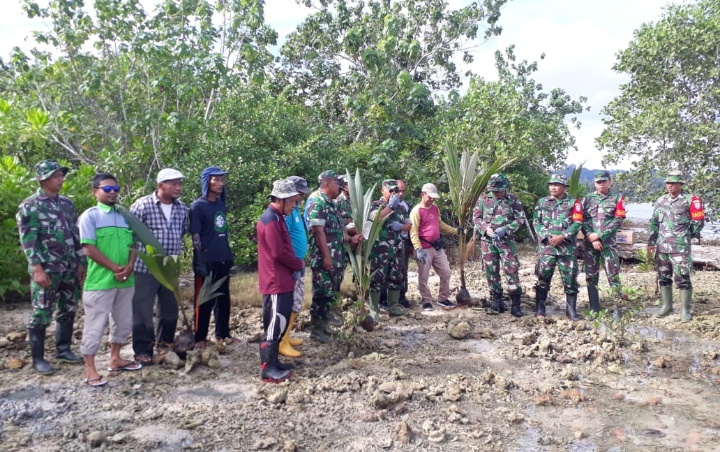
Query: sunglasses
[109, 188]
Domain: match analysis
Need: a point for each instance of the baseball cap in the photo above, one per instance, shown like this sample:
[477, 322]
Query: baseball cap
[674, 177]
[301, 184]
[169, 174]
[558, 179]
[601, 175]
[430, 190]
[47, 167]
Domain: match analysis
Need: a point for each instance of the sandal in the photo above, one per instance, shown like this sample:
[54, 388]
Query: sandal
[96, 382]
[130, 366]
[144, 360]
[230, 340]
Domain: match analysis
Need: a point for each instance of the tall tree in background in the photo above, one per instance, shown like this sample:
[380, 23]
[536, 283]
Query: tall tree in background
[668, 115]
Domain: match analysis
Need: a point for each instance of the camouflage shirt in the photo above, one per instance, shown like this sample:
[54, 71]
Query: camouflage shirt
[49, 233]
[672, 226]
[555, 217]
[491, 212]
[323, 212]
[603, 215]
[344, 209]
[387, 238]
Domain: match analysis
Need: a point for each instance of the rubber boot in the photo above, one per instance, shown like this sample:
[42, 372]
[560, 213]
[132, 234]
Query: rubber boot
[317, 329]
[570, 309]
[374, 306]
[594, 298]
[540, 297]
[269, 371]
[37, 350]
[285, 347]
[394, 308]
[666, 296]
[330, 318]
[294, 341]
[515, 310]
[685, 298]
[63, 339]
[497, 306]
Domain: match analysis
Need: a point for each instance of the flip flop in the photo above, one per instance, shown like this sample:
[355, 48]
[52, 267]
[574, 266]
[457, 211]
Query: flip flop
[96, 382]
[145, 360]
[132, 366]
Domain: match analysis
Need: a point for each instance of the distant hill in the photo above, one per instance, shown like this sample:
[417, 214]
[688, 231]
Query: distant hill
[587, 176]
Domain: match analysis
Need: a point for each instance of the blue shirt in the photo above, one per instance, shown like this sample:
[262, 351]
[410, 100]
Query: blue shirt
[209, 220]
[298, 236]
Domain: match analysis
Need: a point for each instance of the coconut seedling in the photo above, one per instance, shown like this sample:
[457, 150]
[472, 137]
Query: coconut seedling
[360, 203]
[466, 181]
[167, 269]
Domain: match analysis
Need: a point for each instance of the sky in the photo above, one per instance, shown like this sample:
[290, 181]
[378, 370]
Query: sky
[580, 39]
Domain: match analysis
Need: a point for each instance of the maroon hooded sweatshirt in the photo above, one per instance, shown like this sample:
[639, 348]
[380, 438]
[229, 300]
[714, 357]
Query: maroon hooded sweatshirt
[276, 257]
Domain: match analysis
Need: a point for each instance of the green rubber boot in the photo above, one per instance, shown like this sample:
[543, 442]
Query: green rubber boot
[666, 296]
[394, 309]
[375, 306]
[685, 297]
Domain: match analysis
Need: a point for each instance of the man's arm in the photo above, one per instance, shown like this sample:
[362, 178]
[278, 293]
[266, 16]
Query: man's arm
[415, 228]
[518, 216]
[478, 217]
[321, 240]
[281, 250]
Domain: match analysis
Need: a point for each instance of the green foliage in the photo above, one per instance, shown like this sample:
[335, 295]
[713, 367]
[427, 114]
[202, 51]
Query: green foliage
[646, 262]
[575, 188]
[666, 116]
[630, 301]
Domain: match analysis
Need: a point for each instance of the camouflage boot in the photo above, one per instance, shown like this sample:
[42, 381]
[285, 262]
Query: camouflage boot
[394, 308]
[666, 296]
[685, 298]
[594, 298]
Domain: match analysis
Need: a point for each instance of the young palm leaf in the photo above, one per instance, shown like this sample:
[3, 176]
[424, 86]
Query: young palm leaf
[466, 182]
[209, 289]
[575, 188]
[360, 257]
[143, 233]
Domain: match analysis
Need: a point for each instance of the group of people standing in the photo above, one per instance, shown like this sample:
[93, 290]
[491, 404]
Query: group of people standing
[118, 287]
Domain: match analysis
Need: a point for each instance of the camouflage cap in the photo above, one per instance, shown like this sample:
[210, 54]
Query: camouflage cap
[47, 167]
[674, 177]
[328, 174]
[558, 179]
[390, 184]
[601, 175]
[498, 182]
[283, 189]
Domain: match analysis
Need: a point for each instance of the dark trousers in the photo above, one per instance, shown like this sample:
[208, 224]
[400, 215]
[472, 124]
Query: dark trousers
[147, 288]
[219, 306]
[404, 256]
[276, 310]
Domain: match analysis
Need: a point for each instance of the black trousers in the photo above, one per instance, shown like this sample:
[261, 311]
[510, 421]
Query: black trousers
[219, 306]
[143, 334]
[276, 310]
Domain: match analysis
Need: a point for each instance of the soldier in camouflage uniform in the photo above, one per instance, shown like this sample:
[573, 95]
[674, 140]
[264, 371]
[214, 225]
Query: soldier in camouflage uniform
[557, 220]
[47, 223]
[497, 218]
[327, 253]
[386, 253]
[677, 218]
[603, 213]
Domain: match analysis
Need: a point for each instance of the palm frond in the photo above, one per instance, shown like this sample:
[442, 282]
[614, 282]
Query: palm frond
[209, 289]
[143, 233]
[575, 189]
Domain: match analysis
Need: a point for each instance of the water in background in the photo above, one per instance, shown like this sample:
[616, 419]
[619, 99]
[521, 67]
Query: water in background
[642, 212]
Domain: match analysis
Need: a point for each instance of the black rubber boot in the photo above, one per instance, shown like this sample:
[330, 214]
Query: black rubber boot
[268, 363]
[317, 329]
[515, 310]
[594, 298]
[570, 309]
[37, 350]
[63, 340]
[497, 306]
[540, 297]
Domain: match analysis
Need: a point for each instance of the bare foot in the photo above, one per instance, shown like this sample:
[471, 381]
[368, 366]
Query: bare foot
[200, 345]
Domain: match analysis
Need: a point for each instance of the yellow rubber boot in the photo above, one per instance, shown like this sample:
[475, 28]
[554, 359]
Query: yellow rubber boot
[294, 341]
[286, 349]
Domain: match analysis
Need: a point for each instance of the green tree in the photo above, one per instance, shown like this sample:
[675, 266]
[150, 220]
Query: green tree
[667, 116]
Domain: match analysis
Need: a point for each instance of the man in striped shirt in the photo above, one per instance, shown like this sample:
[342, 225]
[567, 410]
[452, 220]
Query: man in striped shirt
[167, 218]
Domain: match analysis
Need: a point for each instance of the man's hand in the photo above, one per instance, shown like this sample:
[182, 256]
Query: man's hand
[81, 273]
[421, 255]
[200, 266]
[40, 277]
[460, 231]
[597, 244]
[501, 232]
[490, 232]
[123, 273]
[556, 240]
[394, 201]
[651, 251]
[396, 226]
[327, 263]
[593, 237]
[297, 275]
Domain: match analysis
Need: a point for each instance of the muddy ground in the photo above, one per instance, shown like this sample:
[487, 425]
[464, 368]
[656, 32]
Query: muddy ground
[506, 384]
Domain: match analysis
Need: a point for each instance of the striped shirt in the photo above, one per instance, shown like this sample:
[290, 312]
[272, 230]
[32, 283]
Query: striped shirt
[169, 233]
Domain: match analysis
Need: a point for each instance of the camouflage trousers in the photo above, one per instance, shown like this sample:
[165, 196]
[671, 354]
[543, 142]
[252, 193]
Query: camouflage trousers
[63, 292]
[593, 259]
[674, 267]
[325, 284]
[566, 264]
[493, 256]
[386, 270]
